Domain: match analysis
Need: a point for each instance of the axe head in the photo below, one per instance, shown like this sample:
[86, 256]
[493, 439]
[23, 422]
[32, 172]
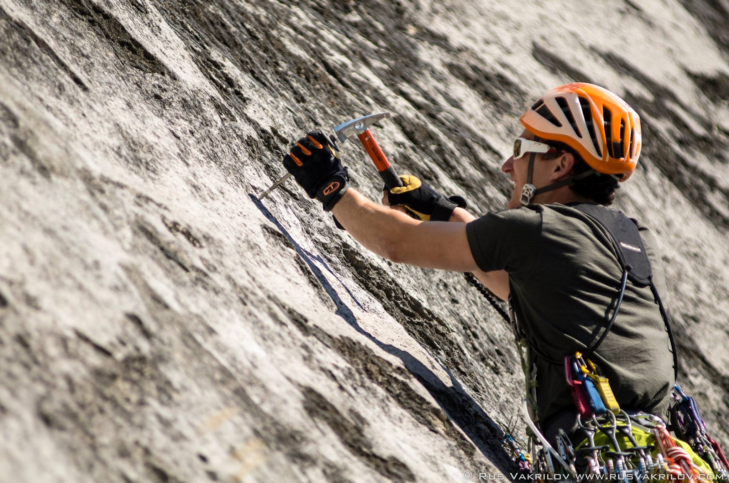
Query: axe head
[358, 126]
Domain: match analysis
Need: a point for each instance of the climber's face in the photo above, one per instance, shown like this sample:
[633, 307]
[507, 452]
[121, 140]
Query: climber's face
[518, 168]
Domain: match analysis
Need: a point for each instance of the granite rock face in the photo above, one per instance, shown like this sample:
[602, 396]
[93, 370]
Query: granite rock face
[158, 323]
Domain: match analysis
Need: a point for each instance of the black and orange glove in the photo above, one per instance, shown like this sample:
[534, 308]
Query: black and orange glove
[423, 201]
[314, 162]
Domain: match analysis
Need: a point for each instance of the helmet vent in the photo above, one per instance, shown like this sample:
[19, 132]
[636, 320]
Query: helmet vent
[632, 148]
[568, 112]
[537, 105]
[547, 114]
[608, 118]
[587, 114]
[618, 145]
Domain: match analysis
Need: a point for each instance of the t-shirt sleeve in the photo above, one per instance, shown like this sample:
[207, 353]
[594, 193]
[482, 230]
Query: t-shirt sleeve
[508, 240]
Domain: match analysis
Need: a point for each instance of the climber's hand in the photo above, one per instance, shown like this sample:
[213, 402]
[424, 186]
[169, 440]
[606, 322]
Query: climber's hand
[421, 200]
[314, 162]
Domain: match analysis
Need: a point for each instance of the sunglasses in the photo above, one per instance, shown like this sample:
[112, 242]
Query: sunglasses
[523, 146]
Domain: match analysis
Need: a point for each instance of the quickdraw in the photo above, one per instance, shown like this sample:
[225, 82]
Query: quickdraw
[523, 460]
[687, 424]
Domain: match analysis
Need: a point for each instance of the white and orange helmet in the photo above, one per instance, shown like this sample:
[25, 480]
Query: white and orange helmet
[593, 121]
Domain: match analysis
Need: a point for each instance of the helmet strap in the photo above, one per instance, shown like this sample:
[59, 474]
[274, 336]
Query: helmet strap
[529, 191]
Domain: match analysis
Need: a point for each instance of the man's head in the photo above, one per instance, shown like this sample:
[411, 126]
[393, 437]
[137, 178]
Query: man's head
[578, 137]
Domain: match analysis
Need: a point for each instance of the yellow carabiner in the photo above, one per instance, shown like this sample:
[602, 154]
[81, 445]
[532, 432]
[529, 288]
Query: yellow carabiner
[581, 364]
[602, 384]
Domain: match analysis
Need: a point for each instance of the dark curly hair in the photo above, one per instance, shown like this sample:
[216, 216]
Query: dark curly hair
[599, 187]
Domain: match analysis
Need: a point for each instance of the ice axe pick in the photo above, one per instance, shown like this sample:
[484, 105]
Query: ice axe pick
[360, 128]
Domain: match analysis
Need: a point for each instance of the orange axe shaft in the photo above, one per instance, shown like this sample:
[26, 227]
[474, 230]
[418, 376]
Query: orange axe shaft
[387, 172]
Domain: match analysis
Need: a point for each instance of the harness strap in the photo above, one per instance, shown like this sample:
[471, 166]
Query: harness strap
[589, 351]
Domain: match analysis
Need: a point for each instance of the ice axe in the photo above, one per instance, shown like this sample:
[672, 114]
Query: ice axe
[360, 128]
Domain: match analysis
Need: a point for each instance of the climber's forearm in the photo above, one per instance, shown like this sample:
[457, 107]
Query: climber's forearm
[373, 225]
[461, 216]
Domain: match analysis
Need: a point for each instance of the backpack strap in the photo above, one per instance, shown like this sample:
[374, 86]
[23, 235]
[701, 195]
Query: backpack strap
[626, 239]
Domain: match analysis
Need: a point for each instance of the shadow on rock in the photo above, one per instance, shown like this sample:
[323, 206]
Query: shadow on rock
[461, 409]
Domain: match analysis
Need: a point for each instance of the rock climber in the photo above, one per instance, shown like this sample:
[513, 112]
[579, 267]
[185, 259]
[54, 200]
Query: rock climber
[557, 265]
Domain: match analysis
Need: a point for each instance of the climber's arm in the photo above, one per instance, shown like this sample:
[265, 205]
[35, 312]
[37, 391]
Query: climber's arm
[402, 239]
[314, 162]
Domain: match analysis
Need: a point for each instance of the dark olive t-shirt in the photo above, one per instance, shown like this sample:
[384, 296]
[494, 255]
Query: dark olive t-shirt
[564, 274]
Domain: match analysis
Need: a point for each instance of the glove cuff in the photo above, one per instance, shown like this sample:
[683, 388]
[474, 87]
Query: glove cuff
[460, 201]
[443, 209]
[332, 191]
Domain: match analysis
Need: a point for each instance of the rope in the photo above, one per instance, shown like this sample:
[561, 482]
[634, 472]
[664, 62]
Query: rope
[488, 295]
[678, 460]
[524, 460]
